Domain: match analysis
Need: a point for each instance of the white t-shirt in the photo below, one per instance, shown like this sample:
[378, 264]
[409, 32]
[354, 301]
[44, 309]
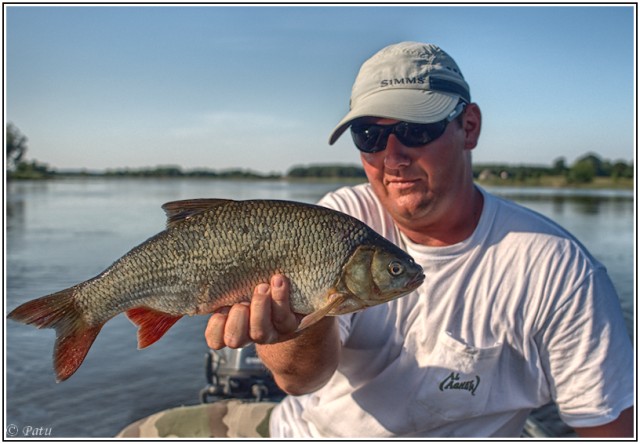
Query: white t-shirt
[513, 317]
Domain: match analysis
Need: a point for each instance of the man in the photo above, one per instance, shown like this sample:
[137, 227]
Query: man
[513, 313]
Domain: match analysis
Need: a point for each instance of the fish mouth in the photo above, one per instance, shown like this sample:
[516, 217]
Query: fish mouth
[416, 281]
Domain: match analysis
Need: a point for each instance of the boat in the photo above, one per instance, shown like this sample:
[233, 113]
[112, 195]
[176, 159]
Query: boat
[240, 374]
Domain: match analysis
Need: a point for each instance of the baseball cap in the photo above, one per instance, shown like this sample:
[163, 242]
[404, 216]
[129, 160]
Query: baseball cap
[408, 81]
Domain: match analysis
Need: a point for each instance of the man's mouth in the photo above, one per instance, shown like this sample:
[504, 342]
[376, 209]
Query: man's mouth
[401, 182]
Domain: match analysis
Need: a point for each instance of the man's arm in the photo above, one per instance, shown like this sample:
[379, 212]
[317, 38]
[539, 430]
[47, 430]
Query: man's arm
[300, 362]
[305, 363]
[622, 427]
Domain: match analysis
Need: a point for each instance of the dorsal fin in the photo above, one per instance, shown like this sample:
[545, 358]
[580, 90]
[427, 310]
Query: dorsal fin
[180, 210]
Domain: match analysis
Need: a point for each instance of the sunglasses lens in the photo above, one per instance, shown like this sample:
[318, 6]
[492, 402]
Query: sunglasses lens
[372, 138]
[366, 137]
[415, 134]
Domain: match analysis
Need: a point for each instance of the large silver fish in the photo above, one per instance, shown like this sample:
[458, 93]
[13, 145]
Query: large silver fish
[212, 254]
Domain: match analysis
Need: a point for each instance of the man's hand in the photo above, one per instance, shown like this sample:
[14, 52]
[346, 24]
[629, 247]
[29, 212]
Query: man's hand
[268, 319]
[300, 362]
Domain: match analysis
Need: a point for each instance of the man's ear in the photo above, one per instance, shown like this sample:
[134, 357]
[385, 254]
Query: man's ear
[471, 123]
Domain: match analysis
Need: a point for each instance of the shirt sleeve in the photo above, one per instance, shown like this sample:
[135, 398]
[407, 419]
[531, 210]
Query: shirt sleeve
[586, 352]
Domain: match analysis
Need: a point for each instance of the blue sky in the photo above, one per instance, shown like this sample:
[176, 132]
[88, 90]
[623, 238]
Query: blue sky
[261, 87]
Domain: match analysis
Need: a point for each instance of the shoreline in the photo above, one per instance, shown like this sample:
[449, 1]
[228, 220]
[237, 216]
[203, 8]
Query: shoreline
[560, 182]
[551, 182]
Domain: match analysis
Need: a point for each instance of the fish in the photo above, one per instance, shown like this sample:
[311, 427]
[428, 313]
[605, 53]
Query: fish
[212, 254]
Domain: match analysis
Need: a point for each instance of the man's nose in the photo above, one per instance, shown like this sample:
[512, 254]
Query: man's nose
[396, 155]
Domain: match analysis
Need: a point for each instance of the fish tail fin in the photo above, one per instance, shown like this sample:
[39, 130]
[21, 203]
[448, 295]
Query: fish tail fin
[152, 324]
[74, 336]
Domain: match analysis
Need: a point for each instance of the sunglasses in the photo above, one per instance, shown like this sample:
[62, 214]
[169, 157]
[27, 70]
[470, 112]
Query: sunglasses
[372, 138]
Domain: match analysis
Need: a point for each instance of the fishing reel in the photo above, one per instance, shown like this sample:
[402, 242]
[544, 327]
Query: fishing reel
[238, 373]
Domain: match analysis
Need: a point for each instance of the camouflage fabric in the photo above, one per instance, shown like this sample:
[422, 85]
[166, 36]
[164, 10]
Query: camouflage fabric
[223, 419]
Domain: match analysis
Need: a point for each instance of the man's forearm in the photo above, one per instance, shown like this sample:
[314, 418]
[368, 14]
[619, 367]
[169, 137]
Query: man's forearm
[306, 362]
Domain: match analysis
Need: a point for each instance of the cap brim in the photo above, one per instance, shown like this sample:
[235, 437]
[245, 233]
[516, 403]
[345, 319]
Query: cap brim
[409, 105]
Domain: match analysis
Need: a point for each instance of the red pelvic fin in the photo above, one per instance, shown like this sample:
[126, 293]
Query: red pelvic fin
[152, 324]
[74, 336]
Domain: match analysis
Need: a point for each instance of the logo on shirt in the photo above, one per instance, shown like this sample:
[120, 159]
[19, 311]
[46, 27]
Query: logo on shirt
[453, 382]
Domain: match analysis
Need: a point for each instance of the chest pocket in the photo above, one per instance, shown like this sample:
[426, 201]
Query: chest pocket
[457, 381]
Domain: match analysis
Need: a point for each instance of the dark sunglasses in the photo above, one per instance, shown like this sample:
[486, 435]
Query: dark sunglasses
[372, 138]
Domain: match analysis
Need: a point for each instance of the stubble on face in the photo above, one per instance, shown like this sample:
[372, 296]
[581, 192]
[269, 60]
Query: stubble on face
[406, 193]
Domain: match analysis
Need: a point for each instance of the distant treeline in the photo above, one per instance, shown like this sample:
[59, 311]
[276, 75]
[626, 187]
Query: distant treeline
[320, 171]
[176, 171]
[36, 170]
[585, 170]
[313, 171]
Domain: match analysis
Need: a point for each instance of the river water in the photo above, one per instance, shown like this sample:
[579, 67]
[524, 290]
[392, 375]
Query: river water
[62, 232]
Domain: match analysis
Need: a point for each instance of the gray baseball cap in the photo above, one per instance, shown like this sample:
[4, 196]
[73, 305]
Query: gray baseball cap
[408, 81]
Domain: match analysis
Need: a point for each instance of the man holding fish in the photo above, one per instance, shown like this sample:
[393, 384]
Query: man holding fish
[513, 313]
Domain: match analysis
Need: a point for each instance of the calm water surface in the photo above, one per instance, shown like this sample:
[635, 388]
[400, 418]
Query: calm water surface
[59, 233]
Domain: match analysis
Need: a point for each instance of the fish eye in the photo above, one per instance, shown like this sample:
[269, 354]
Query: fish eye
[395, 268]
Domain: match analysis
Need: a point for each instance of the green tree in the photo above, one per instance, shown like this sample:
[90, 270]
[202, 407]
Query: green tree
[559, 166]
[15, 146]
[622, 170]
[583, 171]
[598, 166]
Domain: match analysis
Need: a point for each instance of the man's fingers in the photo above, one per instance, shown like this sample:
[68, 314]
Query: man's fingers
[261, 329]
[265, 320]
[236, 330]
[284, 320]
[214, 333]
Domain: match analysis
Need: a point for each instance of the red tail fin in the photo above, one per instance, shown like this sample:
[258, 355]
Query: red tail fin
[74, 336]
[152, 324]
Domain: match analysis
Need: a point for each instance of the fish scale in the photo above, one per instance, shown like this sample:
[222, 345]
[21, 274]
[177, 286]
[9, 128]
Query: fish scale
[212, 254]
